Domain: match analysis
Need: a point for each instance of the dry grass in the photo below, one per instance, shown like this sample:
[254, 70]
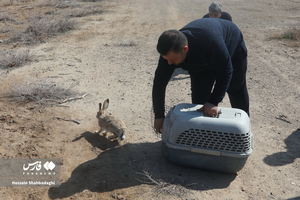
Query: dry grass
[77, 9]
[47, 3]
[5, 29]
[85, 11]
[41, 91]
[53, 18]
[41, 28]
[292, 34]
[5, 17]
[13, 2]
[91, 0]
[11, 58]
[19, 1]
[67, 4]
[126, 43]
[161, 187]
[41, 21]
[59, 19]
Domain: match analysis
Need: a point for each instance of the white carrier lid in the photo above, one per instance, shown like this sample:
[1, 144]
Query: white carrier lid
[185, 116]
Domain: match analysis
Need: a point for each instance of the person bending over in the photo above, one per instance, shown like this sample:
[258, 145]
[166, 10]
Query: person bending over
[214, 53]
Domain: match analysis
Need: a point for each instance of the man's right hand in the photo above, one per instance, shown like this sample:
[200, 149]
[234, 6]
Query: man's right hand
[158, 124]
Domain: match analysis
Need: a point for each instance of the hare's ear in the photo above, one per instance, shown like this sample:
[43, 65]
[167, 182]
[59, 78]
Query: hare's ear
[100, 104]
[105, 104]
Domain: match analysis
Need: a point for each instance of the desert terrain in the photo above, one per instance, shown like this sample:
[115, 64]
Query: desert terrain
[112, 54]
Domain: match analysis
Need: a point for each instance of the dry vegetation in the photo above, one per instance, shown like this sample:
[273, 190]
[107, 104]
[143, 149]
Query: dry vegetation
[41, 19]
[43, 92]
[162, 187]
[4, 17]
[40, 28]
[14, 58]
[292, 34]
[29, 22]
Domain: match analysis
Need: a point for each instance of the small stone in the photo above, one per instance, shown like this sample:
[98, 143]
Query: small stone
[121, 197]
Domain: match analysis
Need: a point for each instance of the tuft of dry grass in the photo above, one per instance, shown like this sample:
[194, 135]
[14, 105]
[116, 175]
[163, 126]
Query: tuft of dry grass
[292, 34]
[78, 9]
[67, 4]
[58, 18]
[162, 187]
[47, 3]
[40, 28]
[13, 58]
[5, 29]
[40, 91]
[91, 0]
[5, 17]
[19, 1]
[127, 43]
[85, 11]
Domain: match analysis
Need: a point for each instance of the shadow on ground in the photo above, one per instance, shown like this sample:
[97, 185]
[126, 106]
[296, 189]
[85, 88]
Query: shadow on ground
[120, 166]
[293, 151]
[98, 141]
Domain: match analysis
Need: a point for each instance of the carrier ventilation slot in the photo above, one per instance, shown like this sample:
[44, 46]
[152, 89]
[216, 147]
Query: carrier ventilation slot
[215, 140]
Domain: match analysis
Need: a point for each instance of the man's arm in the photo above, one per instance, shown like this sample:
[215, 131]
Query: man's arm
[162, 76]
[221, 61]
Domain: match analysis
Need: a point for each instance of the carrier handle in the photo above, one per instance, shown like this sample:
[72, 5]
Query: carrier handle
[219, 112]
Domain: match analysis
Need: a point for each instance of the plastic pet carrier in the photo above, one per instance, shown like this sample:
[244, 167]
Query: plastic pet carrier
[221, 143]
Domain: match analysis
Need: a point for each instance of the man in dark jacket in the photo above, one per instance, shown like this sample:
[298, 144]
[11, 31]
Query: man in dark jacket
[214, 54]
[215, 11]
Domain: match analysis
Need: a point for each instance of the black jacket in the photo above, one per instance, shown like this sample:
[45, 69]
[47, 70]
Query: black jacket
[213, 45]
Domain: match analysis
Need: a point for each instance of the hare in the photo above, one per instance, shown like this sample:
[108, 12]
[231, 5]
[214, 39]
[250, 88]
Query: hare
[109, 123]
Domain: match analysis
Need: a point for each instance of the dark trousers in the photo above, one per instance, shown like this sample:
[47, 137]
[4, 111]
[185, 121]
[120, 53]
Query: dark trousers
[202, 84]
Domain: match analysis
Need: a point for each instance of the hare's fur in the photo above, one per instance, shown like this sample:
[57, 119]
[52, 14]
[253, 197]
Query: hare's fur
[109, 123]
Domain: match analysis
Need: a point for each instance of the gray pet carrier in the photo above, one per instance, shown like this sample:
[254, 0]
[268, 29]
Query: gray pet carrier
[221, 143]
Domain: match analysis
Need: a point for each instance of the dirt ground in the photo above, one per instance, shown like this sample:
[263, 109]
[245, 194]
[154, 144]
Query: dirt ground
[112, 55]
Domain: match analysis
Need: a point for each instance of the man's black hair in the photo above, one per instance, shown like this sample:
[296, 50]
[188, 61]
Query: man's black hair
[171, 40]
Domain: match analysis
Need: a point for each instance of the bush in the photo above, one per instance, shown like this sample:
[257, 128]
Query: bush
[40, 91]
[10, 59]
[5, 29]
[4, 17]
[292, 34]
[85, 11]
[41, 28]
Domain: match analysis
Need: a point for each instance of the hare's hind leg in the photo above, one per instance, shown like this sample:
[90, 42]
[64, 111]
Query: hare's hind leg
[112, 137]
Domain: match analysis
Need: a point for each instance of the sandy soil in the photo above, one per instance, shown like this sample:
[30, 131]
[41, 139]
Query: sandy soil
[112, 55]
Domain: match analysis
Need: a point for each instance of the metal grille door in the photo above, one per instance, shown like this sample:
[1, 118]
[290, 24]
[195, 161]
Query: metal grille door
[215, 140]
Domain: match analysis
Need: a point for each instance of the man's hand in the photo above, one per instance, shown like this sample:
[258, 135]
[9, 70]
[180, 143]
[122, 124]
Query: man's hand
[158, 124]
[209, 109]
